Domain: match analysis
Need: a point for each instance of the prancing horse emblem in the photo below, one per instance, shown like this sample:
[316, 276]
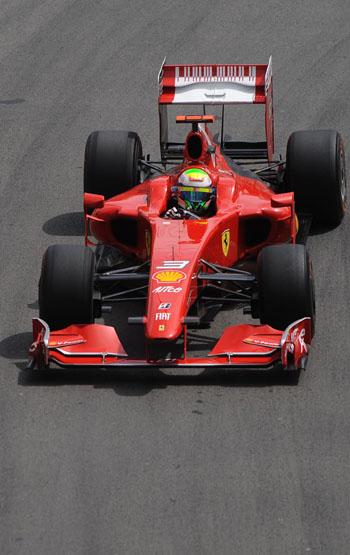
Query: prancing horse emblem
[226, 241]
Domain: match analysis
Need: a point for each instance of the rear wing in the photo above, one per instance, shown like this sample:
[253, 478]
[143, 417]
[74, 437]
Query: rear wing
[217, 85]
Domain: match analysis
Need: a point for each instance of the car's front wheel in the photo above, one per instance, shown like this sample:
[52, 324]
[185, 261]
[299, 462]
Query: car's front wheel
[66, 286]
[285, 285]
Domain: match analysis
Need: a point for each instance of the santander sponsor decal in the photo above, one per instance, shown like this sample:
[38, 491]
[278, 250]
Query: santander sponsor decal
[66, 343]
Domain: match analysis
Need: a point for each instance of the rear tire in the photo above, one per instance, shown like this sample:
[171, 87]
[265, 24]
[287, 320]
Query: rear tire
[286, 290]
[315, 171]
[66, 286]
[111, 162]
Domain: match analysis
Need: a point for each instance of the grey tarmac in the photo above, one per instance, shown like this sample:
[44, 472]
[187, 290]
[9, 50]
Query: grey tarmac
[158, 463]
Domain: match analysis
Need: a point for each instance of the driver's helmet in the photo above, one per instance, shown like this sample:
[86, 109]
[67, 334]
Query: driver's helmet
[195, 190]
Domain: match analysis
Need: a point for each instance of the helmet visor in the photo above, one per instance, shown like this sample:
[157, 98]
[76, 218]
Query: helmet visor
[195, 198]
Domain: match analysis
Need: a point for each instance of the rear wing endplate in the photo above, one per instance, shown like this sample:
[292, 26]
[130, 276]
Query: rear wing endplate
[216, 85]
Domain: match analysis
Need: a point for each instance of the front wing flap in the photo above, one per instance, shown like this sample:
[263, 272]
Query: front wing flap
[243, 346]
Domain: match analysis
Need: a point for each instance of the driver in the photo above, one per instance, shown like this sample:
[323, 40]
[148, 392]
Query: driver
[194, 196]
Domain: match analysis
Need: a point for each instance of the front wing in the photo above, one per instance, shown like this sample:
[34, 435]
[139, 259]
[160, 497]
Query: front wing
[243, 346]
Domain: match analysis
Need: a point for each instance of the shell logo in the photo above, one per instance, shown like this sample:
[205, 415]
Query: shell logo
[169, 276]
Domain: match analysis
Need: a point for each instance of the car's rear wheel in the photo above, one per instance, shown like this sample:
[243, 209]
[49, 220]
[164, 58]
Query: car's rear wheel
[66, 286]
[111, 162]
[285, 285]
[315, 171]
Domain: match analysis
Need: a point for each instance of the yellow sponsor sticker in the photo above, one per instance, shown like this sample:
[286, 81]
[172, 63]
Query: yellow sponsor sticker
[161, 327]
[169, 276]
[225, 241]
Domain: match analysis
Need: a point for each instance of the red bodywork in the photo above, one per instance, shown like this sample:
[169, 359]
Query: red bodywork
[249, 216]
[176, 247]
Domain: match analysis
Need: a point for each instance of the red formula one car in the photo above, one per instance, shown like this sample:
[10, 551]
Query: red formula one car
[214, 224]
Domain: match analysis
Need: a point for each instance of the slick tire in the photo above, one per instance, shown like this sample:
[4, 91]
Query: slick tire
[66, 286]
[315, 171]
[285, 286]
[111, 162]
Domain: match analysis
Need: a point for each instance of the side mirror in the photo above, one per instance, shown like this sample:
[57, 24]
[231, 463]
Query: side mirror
[92, 201]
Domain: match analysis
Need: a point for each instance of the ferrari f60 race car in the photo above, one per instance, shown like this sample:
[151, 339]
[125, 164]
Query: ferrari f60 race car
[214, 224]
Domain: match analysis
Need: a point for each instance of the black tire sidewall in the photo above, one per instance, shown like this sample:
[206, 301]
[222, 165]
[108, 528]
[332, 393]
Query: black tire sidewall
[111, 162]
[66, 286]
[313, 173]
[285, 285]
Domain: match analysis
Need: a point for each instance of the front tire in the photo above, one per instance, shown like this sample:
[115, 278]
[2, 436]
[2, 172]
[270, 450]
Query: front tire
[285, 285]
[315, 171]
[66, 286]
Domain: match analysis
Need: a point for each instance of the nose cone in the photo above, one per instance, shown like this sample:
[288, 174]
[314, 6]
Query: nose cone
[166, 304]
[172, 283]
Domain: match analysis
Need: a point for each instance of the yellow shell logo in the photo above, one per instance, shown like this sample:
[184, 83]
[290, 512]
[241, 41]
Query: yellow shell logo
[169, 276]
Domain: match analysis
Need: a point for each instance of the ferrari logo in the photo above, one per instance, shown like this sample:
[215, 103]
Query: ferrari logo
[226, 241]
[148, 241]
[161, 327]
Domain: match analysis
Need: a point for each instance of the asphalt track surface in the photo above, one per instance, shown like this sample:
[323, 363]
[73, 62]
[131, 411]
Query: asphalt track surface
[152, 463]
